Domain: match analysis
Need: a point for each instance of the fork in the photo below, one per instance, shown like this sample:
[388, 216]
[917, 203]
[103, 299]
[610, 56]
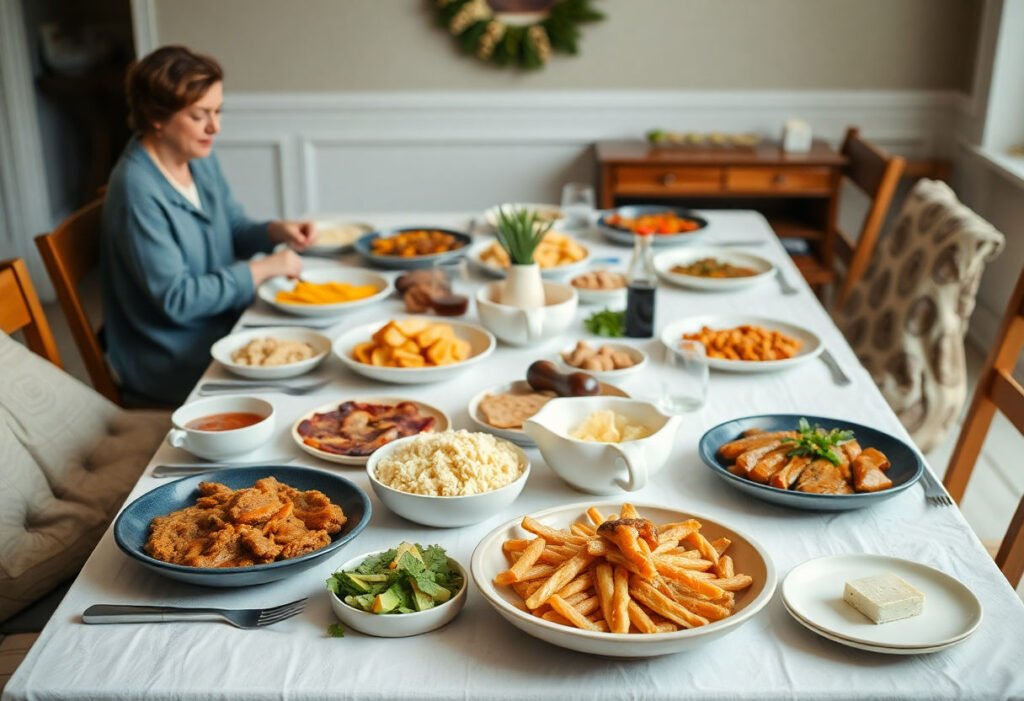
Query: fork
[240, 618]
[838, 375]
[787, 289]
[208, 389]
[305, 323]
[934, 494]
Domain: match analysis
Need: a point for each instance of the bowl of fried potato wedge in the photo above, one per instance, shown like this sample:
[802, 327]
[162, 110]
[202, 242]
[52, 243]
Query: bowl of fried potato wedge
[614, 579]
[740, 343]
[558, 254]
[412, 349]
[410, 248]
[327, 291]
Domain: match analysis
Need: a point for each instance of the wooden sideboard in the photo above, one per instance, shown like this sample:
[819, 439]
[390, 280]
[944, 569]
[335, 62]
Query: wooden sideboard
[797, 192]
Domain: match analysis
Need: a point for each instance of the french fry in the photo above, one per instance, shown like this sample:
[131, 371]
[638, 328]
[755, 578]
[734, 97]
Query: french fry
[701, 586]
[619, 622]
[599, 546]
[588, 606]
[516, 544]
[687, 563]
[628, 540]
[582, 583]
[551, 535]
[725, 567]
[516, 572]
[628, 511]
[639, 618]
[570, 614]
[665, 627]
[721, 545]
[582, 529]
[710, 611]
[734, 583]
[595, 516]
[662, 604]
[618, 559]
[566, 572]
[704, 546]
[604, 584]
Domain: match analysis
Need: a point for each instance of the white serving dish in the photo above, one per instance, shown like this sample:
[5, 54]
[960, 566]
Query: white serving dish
[813, 593]
[491, 215]
[749, 558]
[223, 349]
[325, 248]
[445, 512]
[614, 299]
[398, 625]
[219, 445]
[442, 423]
[666, 260]
[637, 355]
[519, 327]
[477, 249]
[480, 340]
[335, 273]
[602, 468]
[812, 345]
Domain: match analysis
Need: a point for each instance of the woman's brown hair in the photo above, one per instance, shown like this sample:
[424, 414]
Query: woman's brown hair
[167, 80]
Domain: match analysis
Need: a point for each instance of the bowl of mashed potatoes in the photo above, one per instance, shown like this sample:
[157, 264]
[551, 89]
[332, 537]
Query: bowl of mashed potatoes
[271, 353]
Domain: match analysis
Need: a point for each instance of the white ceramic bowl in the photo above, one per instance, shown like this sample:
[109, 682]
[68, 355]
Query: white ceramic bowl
[595, 467]
[637, 355]
[614, 299]
[477, 249]
[335, 273]
[218, 445]
[445, 512]
[399, 625]
[225, 347]
[337, 236]
[512, 325]
[666, 260]
[748, 556]
[441, 423]
[812, 345]
[480, 340]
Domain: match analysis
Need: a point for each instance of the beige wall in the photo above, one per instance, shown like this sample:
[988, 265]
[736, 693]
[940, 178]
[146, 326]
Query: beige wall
[350, 45]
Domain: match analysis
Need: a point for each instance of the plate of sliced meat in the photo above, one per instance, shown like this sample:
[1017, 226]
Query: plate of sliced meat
[348, 432]
[810, 462]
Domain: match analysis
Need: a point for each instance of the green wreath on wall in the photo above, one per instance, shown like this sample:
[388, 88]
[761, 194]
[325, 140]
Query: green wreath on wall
[519, 33]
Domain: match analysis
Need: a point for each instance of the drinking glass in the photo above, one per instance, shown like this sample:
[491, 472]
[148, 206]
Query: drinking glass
[449, 298]
[684, 377]
[577, 205]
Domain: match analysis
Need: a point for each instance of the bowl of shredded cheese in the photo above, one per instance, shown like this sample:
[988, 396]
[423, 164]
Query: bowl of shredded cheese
[271, 353]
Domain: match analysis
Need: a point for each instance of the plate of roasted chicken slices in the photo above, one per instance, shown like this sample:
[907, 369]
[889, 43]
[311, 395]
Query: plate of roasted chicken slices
[810, 462]
[347, 432]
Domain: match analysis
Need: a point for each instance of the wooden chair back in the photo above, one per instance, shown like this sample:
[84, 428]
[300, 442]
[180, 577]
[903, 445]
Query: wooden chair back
[997, 389]
[20, 310]
[70, 252]
[877, 174]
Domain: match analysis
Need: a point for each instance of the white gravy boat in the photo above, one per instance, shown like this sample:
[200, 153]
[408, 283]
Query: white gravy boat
[602, 468]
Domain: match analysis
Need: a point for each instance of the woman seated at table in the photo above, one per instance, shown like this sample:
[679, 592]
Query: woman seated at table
[175, 242]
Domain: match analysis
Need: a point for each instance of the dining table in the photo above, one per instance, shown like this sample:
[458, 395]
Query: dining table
[479, 654]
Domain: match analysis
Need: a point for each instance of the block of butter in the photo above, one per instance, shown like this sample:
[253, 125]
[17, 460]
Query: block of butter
[883, 598]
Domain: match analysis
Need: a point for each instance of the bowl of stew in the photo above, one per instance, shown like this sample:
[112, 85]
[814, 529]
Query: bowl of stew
[222, 427]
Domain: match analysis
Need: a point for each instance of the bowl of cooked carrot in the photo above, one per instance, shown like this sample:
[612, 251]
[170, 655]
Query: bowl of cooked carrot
[325, 291]
[409, 248]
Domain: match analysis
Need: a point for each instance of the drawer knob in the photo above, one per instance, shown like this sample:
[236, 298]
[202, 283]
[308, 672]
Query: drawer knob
[668, 178]
[778, 179]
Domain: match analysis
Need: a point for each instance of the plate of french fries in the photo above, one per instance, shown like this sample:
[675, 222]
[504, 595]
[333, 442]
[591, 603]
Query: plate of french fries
[738, 343]
[622, 580]
[327, 291]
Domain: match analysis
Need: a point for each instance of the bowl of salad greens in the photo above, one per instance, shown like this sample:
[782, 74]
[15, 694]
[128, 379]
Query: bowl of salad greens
[399, 592]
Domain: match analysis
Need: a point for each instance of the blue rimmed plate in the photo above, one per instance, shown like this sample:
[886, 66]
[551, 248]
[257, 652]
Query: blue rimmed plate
[364, 246]
[907, 465]
[624, 236]
[131, 529]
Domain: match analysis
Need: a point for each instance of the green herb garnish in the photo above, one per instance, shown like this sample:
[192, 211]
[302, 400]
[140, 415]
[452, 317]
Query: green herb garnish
[401, 580]
[607, 323]
[520, 231]
[336, 630]
[817, 442]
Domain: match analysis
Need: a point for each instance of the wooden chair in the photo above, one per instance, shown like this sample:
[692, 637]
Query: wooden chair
[20, 310]
[876, 174]
[70, 252]
[997, 389]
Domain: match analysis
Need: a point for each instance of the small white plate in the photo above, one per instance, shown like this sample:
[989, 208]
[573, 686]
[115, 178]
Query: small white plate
[477, 249]
[637, 355]
[441, 423]
[337, 236]
[813, 591]
[554, 212]
[481, 341]
[335, 273]
[666, 260]
[225, 347]
[614, 299]
[812, 345]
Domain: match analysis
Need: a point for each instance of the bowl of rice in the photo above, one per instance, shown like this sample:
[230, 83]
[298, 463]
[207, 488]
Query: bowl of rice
[449, 478]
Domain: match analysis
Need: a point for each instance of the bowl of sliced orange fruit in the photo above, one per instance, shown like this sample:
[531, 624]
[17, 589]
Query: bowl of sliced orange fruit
[329, 291]
[667, 226]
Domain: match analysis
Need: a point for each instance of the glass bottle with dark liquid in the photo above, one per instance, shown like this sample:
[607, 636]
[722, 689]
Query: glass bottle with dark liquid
[640, 294]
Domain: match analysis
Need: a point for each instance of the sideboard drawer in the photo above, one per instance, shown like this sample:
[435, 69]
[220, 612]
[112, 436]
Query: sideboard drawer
[802, 180]
[665, 179]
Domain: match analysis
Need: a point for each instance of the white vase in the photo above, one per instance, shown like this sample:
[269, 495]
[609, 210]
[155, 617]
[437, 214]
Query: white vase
[523, 287]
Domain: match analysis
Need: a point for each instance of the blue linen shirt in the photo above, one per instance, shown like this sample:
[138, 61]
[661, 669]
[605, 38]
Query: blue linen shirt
[172, 279]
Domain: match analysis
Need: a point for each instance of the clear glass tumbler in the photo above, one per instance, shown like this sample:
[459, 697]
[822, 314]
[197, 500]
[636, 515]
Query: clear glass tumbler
[684, 377]
[577, 205]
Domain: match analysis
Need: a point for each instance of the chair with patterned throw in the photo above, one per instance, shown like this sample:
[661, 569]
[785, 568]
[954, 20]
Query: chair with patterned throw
[997, 389]
[907, 316]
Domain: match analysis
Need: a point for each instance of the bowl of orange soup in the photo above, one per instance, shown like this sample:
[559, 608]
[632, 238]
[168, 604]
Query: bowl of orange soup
[222, 427]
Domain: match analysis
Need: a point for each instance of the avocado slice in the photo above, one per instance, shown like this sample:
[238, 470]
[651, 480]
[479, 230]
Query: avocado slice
[420, 599]
[385, 602]
[438, 593]
[403, 549]
[351, 580]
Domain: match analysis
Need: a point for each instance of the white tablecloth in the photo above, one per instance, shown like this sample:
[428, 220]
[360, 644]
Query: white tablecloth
[479, 655]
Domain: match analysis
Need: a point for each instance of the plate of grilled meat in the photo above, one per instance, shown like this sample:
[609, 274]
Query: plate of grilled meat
[810, 462]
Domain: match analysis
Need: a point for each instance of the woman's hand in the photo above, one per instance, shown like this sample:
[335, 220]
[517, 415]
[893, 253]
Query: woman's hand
[285, 262]
[299, 235]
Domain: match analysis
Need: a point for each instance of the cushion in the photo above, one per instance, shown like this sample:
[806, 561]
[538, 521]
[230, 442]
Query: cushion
[906, 318]
[68, 458]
